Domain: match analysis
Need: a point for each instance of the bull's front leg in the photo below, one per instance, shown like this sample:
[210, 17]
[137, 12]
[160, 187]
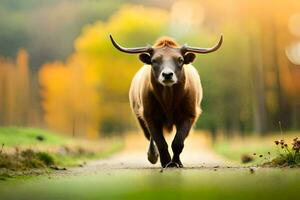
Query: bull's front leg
[183, 129]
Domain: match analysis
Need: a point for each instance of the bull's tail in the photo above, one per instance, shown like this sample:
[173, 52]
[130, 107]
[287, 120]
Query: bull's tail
[152, 152]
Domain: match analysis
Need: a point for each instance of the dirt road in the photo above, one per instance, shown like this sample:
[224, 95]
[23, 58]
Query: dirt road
[196, 154]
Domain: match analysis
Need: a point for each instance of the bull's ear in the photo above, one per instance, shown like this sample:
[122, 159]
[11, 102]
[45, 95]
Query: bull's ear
[189, 58]
[145, 58]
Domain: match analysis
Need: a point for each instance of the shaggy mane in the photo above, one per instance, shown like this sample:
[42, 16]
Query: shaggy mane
[166, 41]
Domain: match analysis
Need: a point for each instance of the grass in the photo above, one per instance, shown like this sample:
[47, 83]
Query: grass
[15, 136]
[261, 149]
[76, 159]
[151, 184]
[25, 160]
[27, 151]
[289, 154]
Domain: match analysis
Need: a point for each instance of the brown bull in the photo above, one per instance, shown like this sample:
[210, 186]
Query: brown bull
[166, 92]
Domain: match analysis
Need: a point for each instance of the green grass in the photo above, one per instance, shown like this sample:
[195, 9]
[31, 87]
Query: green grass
[23, 152]
[73, 160]
[146, 184]
[234, 152]
[15, 136]
[233, 149]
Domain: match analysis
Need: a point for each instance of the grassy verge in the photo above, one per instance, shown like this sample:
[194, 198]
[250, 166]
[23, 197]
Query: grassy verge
[26, 151]
[255, 149]
[81, 158]
[15, 136]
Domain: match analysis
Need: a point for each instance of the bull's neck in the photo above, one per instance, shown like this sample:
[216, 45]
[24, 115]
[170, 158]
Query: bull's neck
[168, 96]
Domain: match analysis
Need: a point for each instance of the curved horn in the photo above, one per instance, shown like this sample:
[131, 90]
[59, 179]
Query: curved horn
[130, 50]
[186, 48]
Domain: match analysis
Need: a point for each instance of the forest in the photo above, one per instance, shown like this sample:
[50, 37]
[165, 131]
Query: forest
[58, 69]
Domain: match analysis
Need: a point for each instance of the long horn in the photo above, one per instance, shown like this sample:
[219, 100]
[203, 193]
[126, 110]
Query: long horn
[147, 49]
[186, 48]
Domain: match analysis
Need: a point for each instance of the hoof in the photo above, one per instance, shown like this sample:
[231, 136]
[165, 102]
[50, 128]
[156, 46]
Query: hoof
[178, 162]
[152, 157]
[152, 152]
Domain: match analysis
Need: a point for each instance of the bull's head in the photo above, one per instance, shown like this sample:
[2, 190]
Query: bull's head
[167, 58]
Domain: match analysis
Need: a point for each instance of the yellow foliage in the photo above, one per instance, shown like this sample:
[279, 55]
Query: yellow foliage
[90, 90]
[70, 100]
[15, 102]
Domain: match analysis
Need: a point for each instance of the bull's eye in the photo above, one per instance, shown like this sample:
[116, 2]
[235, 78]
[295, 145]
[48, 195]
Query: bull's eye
[180, 60]
[154, 61]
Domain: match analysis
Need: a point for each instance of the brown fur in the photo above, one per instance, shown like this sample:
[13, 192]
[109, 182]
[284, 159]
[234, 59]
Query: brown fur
[165, 41]
[175, 103]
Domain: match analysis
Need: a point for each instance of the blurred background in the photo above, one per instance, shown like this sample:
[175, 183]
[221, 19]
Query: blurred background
[59, 71]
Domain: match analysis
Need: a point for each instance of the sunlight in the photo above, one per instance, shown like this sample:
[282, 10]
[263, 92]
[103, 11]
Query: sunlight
[186, 15]
[294, 24]
[293, 53]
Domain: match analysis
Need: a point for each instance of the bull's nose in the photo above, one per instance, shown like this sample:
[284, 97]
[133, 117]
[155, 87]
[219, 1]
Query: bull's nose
[167, 75]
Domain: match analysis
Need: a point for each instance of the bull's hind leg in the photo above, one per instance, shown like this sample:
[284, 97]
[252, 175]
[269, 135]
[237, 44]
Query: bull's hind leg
[182, 132]
[152, 151]
[156, 131]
